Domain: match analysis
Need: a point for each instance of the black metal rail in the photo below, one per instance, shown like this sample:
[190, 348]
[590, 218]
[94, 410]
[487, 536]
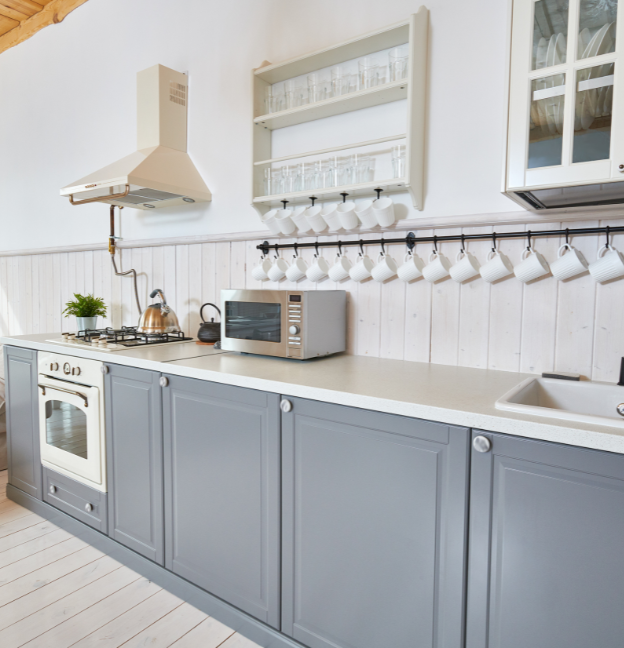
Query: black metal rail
[410, 240]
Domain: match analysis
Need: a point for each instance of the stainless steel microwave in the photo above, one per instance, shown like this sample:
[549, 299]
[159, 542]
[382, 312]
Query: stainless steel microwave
[297, 324]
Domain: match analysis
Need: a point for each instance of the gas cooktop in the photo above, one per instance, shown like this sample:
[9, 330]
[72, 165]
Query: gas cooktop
[127, 337]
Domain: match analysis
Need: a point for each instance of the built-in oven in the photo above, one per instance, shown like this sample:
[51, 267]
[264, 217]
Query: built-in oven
[71, 417]
[298, 324]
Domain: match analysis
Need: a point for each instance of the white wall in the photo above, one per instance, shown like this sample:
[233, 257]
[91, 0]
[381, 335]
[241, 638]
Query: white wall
[67, 105]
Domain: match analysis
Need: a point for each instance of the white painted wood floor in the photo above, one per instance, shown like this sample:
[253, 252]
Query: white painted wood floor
[56, 591]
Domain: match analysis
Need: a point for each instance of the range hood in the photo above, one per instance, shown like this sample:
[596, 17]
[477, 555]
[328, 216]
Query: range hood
[160, 173]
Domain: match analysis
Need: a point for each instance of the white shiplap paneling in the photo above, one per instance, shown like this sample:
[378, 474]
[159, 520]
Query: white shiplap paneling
[572, 326]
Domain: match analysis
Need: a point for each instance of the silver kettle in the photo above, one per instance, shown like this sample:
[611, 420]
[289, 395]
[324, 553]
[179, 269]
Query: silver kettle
[158, 317]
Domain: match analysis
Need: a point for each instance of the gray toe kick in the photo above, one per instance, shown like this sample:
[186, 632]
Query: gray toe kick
[546, 546]
[374, 529]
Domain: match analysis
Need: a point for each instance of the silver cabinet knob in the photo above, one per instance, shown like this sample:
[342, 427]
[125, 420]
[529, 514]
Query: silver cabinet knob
[88, 508]
[52, 489]
[286, 406]
[481, 444]
[164, 381]
[293, 330]
[104, 369]
[620, 409]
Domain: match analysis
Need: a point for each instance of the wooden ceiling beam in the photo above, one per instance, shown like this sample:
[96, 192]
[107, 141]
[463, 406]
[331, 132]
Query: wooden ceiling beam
[7, 25]
[19, 9]
[52, 13]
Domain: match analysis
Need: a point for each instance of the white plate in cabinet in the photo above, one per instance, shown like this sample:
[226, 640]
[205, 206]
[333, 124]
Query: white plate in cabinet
[565, 139]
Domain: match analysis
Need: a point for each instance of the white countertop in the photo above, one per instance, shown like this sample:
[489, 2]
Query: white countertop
[453, 395]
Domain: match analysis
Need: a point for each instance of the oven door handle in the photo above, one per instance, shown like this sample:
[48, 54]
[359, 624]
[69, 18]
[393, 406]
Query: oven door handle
[67, 391]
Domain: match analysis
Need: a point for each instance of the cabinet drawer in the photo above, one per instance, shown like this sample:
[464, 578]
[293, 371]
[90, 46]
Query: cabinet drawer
[85, 504]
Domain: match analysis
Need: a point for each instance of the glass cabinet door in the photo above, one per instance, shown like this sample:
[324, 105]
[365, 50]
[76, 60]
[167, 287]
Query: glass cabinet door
[565, 58]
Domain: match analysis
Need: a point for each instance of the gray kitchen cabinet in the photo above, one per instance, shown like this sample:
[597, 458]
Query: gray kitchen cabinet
[374, 528]
[222, 497]
[546, 564]
[22, 412]
[134, 451]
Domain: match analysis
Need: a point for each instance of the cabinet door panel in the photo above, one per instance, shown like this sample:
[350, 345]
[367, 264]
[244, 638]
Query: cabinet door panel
[135, 461]
[222, 492]
[24, 456]
[546, 552]
[374, 529]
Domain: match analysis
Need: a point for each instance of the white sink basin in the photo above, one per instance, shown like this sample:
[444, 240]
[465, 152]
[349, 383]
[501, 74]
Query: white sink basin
[568, 400]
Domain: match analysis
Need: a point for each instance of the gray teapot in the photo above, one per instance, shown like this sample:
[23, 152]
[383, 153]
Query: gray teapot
[209, 331]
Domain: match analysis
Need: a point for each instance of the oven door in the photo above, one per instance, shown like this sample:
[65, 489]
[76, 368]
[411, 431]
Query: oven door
[255, 321]
[69, 428]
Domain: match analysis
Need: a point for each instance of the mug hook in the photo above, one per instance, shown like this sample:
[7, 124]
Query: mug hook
[296, 253]
[463, 244]
[361, 247]
[344, 197]
[313, 198]
[378, 191]
[383, 247]
[284, 202]
[410, 242]
[567, 236]
[607, 228]
[339, 248]
[316, 248]
[435, 243]
[493, 241]
[276, 254]
[528, 240]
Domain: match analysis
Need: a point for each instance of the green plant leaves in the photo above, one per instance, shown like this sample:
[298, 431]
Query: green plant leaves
[85, 306]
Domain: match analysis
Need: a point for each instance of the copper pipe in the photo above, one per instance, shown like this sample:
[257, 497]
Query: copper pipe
[111, 196]
[111, 250]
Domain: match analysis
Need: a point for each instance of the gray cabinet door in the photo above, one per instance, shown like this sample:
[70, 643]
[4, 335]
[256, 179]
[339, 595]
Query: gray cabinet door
[24, 456]
[374, 529]
[222, 500]
[135, 459]
[546, 563]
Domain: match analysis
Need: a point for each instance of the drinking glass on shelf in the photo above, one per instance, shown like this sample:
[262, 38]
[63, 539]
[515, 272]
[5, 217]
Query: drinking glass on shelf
[278, 102]
[365, 169]
[300, 173]
[397, 63]
[322, 174]
[268, 100]
[285, 179]
[276, 181]
[267, 184]
[382, 73]
[398, 160]
[341, 81]
[368, 72]
[318, 87]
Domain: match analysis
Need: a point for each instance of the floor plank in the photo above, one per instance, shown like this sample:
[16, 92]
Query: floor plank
[168, 629]
[33, 546]
[49, 617]
[130, 623]
[7, 528]
[45, 557]
[84, 623]
[238, 641]
[14, 512]
[25, 535]
[210, 633]
[64, 586]
[49, 574]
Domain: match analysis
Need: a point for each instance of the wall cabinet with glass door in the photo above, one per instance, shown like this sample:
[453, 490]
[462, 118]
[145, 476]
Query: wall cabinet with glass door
[566, 123]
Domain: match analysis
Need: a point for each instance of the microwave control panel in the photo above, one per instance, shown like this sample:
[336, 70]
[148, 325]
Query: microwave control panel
[295, 323]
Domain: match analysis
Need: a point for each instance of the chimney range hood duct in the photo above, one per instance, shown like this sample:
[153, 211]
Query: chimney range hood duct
[160, 173]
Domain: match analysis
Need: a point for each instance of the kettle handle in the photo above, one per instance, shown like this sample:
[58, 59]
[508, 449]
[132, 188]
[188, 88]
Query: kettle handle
[201, 311]
[158, 291]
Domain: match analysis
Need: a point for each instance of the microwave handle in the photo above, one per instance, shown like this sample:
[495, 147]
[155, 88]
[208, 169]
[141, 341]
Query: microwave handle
[67, 391]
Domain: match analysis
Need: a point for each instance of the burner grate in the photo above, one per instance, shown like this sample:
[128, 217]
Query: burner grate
[129, 336]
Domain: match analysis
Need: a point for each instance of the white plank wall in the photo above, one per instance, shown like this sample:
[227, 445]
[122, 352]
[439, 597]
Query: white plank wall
[575, 325]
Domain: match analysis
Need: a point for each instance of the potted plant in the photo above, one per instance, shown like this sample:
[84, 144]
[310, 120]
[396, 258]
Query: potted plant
[86, 308]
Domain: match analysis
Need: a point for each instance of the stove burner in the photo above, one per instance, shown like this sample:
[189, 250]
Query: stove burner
[128, 336]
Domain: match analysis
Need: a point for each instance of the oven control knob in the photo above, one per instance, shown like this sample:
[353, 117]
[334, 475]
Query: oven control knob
[66, 369]
[76, 371]
[88, 508]
[54, 366]
[293, 330]
[52, 489]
